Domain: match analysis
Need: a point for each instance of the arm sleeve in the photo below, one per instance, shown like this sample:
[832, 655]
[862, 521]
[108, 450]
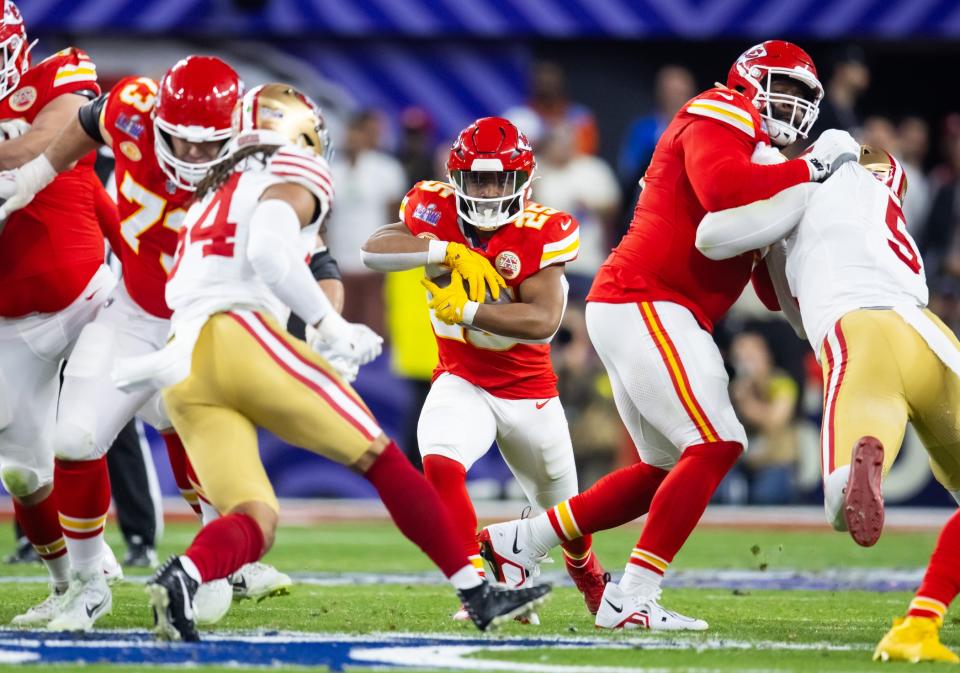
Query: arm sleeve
[732, 232]
[89, 116]
[435, 253]
[274, 252]
[717, 161]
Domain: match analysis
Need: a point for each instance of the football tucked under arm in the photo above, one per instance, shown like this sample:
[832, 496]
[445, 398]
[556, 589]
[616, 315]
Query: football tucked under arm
[535, 318]
[728, 233]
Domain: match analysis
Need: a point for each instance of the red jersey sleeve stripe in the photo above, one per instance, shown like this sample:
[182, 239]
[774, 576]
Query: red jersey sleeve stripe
[310, 183]
[302, 165]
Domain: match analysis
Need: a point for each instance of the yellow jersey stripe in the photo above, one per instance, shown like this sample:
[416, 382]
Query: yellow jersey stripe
[705, 110]
[547, 256]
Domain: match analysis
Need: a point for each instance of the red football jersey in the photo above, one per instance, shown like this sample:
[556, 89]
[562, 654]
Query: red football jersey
[151, 207]
[539, 238]
[701, 163]
[50, 249]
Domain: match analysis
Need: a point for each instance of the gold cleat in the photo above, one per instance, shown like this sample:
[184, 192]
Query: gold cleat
[914, 639]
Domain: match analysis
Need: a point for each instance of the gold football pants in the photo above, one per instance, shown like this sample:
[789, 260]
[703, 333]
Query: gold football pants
[247, 372]
[879, 373]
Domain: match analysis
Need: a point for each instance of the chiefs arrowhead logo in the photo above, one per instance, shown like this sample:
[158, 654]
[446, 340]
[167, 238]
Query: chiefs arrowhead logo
[754, 52]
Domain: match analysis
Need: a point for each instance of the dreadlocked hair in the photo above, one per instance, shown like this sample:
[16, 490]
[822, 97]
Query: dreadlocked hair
[219, 174]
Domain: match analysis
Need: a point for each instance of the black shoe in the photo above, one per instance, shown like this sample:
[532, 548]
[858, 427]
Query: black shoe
[171, 592]
[140, 556]
[24, 553]
[489, 605]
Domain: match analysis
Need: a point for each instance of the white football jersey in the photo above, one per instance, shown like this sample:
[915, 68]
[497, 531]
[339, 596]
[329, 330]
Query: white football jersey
[851, 250]
[212, 273]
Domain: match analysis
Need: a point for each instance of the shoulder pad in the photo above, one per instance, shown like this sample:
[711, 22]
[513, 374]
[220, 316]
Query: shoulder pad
[724, 105]
[561, 239]
[72, 66]
[305, 169]
[426, 202]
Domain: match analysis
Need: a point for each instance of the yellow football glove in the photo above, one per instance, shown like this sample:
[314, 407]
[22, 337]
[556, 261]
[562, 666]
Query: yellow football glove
[447, 302]
[476, 270]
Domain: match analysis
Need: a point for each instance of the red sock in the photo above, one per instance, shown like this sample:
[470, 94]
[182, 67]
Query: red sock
[223, 546]
[41, 525]
[179, 463]
[82, 489]
[683, 497]
[941, 583]
[417, 510]
[618, 498]
[576, 553]
[449, 478]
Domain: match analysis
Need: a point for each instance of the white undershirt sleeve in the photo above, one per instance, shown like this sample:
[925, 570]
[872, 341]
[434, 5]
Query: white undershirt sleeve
[275, 252]
[402, 261]
[728, 233]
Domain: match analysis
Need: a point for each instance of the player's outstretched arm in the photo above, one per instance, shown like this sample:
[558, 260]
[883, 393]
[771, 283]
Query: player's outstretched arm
[55, 115]
[732, 232]
[717, 158]
[536, 314]
[394, 248]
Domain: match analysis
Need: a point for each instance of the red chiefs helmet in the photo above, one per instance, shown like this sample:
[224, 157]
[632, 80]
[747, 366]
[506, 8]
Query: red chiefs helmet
[14, 47]
[491, 165]
[753, 74]
[886, 169]
[195, 104]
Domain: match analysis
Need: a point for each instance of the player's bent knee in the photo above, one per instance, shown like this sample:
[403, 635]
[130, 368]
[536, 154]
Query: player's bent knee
[23, 482]
[74, 443]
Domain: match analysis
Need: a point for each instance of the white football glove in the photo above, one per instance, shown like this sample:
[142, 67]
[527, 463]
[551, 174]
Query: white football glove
[13, 128]
[27, 180]
[346, 346]
[832, 149]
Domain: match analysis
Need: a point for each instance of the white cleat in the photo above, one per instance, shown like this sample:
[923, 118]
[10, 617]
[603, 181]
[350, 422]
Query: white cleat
[212, 601]
[509, 551]
[259, 581]
[112, 571]
[87, 599]
[42, 613]
[640, 610]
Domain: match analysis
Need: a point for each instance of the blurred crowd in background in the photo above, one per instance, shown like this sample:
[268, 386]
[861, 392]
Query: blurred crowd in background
[775, 378]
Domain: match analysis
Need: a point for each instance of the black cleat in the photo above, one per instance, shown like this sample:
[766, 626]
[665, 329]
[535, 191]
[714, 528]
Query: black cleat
[24, 553]
[140, 555]
[489, 605]
[171, 592]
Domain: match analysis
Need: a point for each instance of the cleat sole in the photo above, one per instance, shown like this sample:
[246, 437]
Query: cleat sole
[863, 501]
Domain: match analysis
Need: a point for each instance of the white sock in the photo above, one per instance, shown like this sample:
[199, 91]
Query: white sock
[208, 512]
[542, 535]
[86, 555]
[59, 569]
[834, 485]
[644, 571]
[466, 578]
[191, 569]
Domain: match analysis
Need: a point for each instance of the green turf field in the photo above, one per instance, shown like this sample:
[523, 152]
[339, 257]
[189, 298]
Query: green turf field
[751, 629]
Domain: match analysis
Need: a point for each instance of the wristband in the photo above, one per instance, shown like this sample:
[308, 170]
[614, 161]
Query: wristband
[470, 312]
[436, 252]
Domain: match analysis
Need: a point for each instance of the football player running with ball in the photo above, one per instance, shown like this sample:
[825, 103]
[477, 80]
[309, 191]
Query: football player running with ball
[650, 312]
[495, 381]
[165, 138]
[52, 282]
[232, 368]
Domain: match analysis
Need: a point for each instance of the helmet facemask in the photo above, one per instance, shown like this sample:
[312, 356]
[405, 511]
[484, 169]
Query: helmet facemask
[13, 65]
[184, 174]
[490, 198]
[788, 117]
